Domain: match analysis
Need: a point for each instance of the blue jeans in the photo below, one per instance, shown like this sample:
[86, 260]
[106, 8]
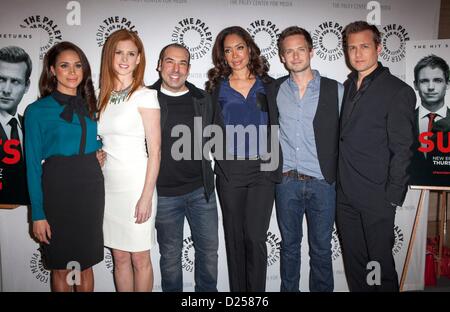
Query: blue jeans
[317, 199]
[202, 218]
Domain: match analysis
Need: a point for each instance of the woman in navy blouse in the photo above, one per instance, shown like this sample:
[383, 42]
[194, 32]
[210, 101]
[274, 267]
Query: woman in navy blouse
[241, 93]
[64, 177]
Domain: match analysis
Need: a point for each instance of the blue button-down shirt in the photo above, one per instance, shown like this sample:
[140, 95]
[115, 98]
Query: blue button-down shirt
[296, 126]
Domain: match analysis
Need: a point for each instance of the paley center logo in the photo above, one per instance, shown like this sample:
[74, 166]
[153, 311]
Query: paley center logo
[394, 37]
[265, 33]
[273, 243]
[49, 26]
[187, 254]
[335, 245]
[195, 35]
[37, 267]
[110, 25]
[399, 240]
[327, 41]
[109, 263]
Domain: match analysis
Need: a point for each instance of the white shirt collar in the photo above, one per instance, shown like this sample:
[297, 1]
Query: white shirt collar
[171, 93]
[442, 112]
[5, 120]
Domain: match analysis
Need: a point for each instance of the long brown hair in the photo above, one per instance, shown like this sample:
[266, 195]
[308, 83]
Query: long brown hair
[257, 65]
[107, 74]
[48, 83]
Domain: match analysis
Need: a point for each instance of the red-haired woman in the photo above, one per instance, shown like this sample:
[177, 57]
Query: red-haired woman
[130, 130]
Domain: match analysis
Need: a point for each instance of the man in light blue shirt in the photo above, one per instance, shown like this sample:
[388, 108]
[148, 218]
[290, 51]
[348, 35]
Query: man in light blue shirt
[309, 108]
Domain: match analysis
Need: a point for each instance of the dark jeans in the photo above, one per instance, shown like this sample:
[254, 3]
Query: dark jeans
[367, 234]
[317, 199]
[246, 200]
[203, 222]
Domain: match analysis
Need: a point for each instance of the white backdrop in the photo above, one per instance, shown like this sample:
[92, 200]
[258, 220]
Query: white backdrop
[195, 23]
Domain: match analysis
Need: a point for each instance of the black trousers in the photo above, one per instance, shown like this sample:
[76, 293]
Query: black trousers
[367, 235]
[246, 200]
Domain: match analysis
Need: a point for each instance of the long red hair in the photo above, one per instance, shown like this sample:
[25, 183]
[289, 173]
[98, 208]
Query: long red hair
[107, 74]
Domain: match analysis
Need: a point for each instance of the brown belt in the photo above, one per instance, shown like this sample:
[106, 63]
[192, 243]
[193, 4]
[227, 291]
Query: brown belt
[299, 176]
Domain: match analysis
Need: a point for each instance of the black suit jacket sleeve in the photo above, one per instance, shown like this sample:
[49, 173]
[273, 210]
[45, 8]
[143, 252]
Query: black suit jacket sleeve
[400, 128]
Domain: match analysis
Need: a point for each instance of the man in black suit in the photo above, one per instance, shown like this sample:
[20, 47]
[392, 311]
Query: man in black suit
[375, 148]
[431, 80]
[15, 71]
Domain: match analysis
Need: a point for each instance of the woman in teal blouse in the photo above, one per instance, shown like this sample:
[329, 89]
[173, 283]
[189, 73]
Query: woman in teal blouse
[64, 177]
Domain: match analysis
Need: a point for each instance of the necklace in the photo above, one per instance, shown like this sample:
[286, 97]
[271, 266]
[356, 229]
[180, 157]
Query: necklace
[118, 97]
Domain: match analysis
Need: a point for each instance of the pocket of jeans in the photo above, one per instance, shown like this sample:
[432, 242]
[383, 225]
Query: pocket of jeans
[286, 179]
[324, 182]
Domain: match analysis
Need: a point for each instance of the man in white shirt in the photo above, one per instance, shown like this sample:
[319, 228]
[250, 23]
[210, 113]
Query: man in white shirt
[431, 80]
[15, 71]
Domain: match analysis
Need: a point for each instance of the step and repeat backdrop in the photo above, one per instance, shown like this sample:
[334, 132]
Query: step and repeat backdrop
[37, 25]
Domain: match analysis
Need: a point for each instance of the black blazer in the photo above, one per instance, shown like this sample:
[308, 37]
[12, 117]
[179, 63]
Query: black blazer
[325, 124]
[222, 166]
[376, 141]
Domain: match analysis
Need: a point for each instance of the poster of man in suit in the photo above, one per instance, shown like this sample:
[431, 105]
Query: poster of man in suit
[428, 71]
[18, 87]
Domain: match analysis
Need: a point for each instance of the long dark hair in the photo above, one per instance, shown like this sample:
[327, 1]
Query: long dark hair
[258, 65]
[48, 83]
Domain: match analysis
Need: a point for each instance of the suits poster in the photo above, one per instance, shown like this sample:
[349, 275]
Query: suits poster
[427, 70]
[19, 75]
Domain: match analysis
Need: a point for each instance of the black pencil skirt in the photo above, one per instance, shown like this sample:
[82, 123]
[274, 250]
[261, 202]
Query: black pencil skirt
[74, 200]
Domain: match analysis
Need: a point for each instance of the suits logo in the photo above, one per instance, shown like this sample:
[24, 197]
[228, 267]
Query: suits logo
[335, 246]
[394, 39]
[327, 41]
[187, 254]
[37, 268]
[265, 33]
[273, 248]
[110, 25]
[49, 26]
[195, 35]
[398, 240]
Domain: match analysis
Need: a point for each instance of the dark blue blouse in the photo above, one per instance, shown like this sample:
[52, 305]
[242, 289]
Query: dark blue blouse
[245, 119]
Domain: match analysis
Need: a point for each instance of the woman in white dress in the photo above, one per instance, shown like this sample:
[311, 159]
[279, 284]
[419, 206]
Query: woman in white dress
[129, 126]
